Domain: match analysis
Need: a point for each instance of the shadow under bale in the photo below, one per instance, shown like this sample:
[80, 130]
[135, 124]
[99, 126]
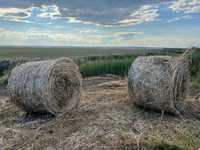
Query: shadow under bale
[51, 86]
[163, 83]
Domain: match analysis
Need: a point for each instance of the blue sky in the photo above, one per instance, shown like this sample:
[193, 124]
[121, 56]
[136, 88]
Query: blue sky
[152, 23]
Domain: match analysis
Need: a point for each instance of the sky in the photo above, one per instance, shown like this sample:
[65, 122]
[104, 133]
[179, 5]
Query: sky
[145, 23]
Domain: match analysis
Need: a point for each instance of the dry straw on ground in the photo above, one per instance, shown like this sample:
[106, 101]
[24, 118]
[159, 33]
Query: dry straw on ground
[46, 86]
[163, 83]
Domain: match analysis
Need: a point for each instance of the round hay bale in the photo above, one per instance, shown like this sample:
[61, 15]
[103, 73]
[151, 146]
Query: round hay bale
[149, 83]
[160, 82]
[46, 86]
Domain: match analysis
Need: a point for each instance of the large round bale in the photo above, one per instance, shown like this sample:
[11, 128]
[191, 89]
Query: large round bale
[46, 86]
[160, 82]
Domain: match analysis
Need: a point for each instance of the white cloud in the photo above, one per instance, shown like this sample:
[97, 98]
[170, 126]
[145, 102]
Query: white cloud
[146, 13]
[128, 33]
[73, 20]
[63, 37]
[186, 6]
[22, 15]
[185, 17]
[143, 14]
[49, 11]
[88, 31]
[99, 12]
[15, 14]
[76, 20]
[8, 36]
[41, 37]
[154, 41]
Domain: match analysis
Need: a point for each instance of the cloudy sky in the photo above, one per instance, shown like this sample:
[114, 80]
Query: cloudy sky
[154, 23]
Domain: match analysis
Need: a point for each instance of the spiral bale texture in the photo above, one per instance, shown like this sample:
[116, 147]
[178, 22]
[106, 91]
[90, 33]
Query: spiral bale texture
[149, 83]
[160, 82]
[52, 86]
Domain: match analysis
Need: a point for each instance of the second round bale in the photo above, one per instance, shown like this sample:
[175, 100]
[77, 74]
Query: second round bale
[161, 82]
[52, 86]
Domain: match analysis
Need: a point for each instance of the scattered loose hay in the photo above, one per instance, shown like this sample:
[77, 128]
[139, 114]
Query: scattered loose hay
[46, 86]
[162, 83]
[105, 120]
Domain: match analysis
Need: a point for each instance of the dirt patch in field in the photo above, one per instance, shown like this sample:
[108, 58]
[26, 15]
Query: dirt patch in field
[105, 119]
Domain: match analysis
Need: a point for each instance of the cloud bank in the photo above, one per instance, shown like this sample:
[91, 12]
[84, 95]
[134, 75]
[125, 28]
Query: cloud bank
[100, 22]
[103, 13]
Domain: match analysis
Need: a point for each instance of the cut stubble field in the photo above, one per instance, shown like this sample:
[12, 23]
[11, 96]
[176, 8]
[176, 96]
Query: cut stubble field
[106, 118]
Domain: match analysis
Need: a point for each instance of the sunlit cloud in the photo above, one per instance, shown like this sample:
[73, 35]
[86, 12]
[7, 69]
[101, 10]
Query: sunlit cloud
[47, 11]
[186, 6]
[15, 14]
[24, 15]
[143, 14]
[128, 33]
[54, 37]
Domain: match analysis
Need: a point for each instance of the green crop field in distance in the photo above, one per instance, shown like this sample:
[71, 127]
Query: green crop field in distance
[54, 52]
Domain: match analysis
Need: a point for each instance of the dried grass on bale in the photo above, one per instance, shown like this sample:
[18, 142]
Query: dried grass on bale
[162, 83]
[46, 86]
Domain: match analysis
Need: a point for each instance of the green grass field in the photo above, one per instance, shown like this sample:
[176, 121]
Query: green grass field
[92, 61]
[108, 66]
[74, 52]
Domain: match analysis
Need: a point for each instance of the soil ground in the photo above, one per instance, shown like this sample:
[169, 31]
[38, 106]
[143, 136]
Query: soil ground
[105, 119]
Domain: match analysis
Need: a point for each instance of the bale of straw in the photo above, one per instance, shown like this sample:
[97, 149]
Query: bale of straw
[160, 82]
[149, 83]
[46, 86]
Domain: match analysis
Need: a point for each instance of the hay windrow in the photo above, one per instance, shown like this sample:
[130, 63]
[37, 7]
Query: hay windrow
[162, 82]
[46, 86]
